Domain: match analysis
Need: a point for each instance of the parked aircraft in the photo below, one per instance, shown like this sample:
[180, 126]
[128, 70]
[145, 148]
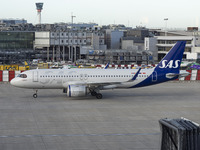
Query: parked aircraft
[81, 82]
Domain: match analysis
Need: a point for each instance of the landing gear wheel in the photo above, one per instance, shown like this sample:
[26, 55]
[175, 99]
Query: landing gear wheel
[34, 95]
[93, 93]
[99, 96]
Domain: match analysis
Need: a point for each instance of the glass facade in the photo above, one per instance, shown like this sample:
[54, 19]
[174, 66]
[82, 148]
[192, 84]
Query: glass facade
[16, 40]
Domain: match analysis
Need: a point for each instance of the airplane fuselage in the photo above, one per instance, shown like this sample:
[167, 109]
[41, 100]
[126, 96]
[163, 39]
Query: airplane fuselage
[62, 78]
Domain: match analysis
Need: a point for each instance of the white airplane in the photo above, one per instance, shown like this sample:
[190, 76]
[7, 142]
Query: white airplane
[81, 82]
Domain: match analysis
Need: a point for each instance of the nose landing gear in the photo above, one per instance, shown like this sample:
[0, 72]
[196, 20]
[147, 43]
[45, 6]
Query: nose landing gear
[35, 94]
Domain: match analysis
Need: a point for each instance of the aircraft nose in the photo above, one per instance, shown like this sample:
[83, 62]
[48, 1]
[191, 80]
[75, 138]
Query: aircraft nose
[13, 82]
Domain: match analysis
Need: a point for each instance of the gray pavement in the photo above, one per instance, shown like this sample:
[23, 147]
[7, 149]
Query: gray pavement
[122, 120]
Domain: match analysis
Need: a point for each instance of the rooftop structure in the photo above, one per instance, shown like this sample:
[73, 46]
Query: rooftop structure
[8, 22]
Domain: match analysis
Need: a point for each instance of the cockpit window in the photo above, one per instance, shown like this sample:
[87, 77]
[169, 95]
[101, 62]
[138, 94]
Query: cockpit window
[22, 76]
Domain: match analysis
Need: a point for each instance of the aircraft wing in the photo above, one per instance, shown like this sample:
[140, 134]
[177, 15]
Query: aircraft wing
[135, 76]
[102, 83]
[92, 84]
[107, 65]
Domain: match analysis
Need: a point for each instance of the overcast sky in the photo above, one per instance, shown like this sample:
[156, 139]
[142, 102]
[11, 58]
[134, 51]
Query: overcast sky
[149, 13]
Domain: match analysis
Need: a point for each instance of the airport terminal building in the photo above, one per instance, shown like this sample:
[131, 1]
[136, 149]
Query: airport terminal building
[15, 46]
[162, 43]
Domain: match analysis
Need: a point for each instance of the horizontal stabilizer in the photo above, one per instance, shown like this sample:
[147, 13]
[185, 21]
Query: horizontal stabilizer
[180, 75]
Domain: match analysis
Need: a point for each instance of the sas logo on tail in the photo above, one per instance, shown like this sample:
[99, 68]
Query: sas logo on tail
[170, 64]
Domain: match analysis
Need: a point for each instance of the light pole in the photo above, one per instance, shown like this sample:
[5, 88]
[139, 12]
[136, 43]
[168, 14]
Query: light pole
[72, 37]
[72, 18]
[165, 19]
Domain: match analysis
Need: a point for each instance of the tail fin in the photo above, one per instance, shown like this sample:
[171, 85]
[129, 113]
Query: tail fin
[171, 62]
[168, 68]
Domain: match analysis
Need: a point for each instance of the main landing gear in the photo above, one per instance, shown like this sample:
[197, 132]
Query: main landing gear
[35, 94]
[98, 95]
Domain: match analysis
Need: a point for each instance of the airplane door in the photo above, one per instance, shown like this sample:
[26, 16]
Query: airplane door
[81, 76]
[85, 76]
[35, 76]
[154, 76]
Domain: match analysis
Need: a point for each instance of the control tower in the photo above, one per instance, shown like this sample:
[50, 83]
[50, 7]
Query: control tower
[39, 7]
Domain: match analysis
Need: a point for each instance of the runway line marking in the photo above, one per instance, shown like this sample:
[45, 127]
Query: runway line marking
[68, 135]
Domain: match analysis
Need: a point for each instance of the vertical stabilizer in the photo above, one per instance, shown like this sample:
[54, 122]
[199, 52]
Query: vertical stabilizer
[171, 62]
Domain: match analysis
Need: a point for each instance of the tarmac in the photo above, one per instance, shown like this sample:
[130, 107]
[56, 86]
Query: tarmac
[123, 120]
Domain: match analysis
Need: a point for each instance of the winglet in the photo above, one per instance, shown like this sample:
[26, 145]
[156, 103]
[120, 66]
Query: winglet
[107, 65]
[135, 76]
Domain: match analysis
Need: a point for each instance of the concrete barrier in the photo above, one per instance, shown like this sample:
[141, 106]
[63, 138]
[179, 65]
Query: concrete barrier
[7, 76]
[1, 75]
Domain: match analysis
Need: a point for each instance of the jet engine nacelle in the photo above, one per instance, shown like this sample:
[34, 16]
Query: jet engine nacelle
[76, 90]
